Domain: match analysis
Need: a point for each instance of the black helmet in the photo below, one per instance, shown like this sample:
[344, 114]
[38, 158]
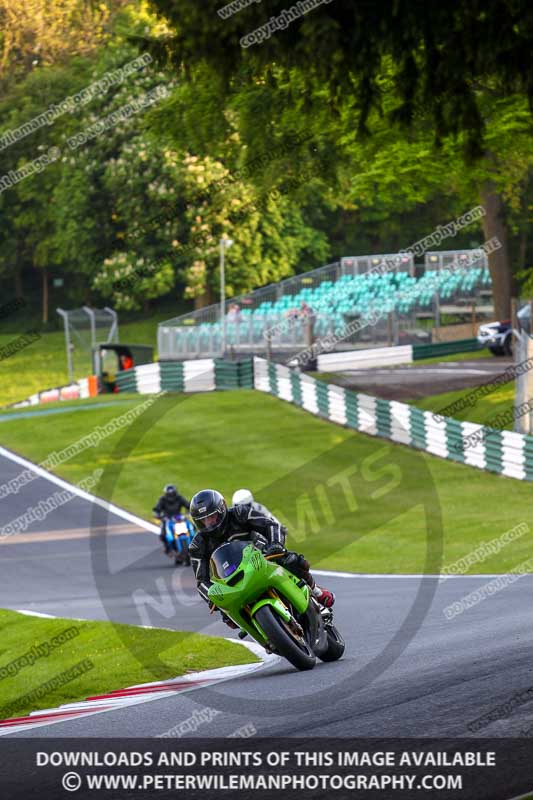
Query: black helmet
[170, 491]
[209, 512]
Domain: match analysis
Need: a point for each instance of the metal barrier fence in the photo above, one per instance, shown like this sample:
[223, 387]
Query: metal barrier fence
[443, 259]
[359, 265]
[500, 451]
[334, 299]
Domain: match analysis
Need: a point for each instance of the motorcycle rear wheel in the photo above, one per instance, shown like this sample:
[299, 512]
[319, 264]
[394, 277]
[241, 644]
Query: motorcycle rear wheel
[296, 651]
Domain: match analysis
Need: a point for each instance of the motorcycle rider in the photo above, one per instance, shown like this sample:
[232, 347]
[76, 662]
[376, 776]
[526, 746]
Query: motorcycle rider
[244, 497]
[215, 524]
[169, 504]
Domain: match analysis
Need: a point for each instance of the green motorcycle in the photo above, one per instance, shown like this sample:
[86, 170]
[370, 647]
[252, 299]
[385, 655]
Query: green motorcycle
[272, 605]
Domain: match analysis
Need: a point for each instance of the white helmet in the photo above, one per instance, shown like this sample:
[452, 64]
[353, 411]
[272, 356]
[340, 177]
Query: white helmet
[242, 497]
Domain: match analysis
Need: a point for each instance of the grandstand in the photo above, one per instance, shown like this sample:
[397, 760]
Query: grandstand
[382, 289]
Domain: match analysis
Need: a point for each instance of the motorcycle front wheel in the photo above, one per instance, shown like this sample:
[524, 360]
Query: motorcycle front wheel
[285, 642]
[336, 645]
[185, 552]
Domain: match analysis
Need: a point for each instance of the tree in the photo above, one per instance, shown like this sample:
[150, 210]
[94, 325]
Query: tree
[46, 32]
[441, 54]
[61, 218]
[131, 282]
[389, 179]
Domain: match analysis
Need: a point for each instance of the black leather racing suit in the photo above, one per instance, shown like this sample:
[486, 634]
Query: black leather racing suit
[251, 522]
[165, 508]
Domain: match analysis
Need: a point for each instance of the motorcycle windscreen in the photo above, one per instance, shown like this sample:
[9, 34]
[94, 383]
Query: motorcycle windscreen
[226, 559]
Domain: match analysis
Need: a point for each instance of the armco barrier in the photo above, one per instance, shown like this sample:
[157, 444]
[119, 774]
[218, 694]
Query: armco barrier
[445, 348]
[363, 359]
[504, 452]
[390, 356]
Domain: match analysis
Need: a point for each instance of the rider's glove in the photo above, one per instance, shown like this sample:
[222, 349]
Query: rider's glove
[274, 549]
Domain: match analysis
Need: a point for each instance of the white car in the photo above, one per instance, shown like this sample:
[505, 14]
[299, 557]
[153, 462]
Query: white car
[498, 336]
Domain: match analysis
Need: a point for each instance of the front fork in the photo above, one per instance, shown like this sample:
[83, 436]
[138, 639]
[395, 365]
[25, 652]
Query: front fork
[315, 620]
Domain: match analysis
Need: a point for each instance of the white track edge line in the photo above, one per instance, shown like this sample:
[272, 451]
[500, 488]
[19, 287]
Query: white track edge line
[151, 528]
[111, 507]
[86, 707]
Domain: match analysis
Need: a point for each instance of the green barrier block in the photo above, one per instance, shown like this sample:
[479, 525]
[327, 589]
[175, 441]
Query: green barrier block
[127, 381]
[246, 373]
[296, 383]
[528, 465]
[494, 450]
[528, 446]
[352, 409]
[383, 417]
[418, 428]
[454, 440]
[172, 373]
[421, 351]
[273, 378]
[322, 398]
[226, 374]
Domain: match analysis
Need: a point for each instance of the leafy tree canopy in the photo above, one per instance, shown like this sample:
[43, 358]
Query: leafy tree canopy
[445, 54]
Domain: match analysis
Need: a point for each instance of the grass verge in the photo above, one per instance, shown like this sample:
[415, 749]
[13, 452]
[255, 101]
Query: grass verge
[472, 355]
[111, 659]
[351, 502]
[482, 409]
[43, 364]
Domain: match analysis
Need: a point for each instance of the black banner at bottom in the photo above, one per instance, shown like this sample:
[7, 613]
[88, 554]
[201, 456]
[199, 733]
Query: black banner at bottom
[399, 769]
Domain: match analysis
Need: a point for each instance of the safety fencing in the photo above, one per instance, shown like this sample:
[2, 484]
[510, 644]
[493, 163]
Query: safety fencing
[201, 375]
[504, 452]
[392, 356]
[500, 451]
[208, 374]
[365, 359]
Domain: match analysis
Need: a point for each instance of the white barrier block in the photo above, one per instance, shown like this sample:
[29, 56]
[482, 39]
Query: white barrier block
[148, 378]
[261, 381]
[84, 387]
[309, 394]
[513, 455]
[513, 439]
[400, 422]
[199, 376]
[473, 444]
[50, 396]
[363, 359]
[513, 471]
[367, 414]
[283, 376]
[436, 439]
[337, 404]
